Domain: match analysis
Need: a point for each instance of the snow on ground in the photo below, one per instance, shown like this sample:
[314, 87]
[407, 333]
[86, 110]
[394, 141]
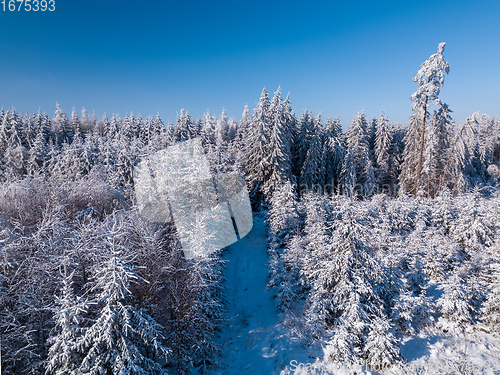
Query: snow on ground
[431, 353]
[253, 341]
[248, 337]
[474, 352]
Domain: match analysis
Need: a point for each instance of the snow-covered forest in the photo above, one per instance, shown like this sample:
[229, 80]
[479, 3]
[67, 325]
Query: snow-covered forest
[375, 234]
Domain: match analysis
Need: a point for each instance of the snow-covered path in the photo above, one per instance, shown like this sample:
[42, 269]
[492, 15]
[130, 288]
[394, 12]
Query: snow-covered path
[253, 341]
[247, 339]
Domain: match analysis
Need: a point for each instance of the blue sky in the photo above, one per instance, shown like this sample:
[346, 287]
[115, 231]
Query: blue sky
[333, 57]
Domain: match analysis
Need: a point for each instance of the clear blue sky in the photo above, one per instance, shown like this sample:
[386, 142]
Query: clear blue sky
[333, 57]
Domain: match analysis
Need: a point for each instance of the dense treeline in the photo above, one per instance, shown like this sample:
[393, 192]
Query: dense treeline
[88, 285]
[271, 147]
[67, 182]
[360, 276]
[377, 271]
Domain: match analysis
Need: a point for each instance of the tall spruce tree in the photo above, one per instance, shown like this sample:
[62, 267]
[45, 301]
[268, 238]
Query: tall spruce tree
[278, 158]
[348, 176]
[358, 141]
[305, 131]
[257, 149]
[62, 127]
[63, 357]
[333, 154]
[383, 141]
[437, 148]
[123, 338]
[311, 176]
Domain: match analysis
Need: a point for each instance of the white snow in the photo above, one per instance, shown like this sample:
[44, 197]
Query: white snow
[252, 340]
[255, 341]
[247, 337]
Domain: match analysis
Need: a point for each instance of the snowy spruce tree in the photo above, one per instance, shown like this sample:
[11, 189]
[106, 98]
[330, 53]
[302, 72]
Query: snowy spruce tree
[348, 180]
[458, 172]
[279, 148]
[185, 127]
[284, 220]
[123, 338]
[284, 228]
[473, 230]
[37, 156]
[437, 149]
[63, 357]
[4, 132]
[113, 128]
[349, 286]
[490, 312]
[456, 303]
[256, 150]
[62, 127]
[316, 248]
[358, 141]
[333, 155]
[370, 184]
[304, 133]
[312, 173]
[290, 123]
[75, 122]
[382, 152]
[17, 137]
[382, 347]
[208, 125]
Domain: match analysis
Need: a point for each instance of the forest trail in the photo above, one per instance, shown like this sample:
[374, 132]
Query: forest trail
[248, 337]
